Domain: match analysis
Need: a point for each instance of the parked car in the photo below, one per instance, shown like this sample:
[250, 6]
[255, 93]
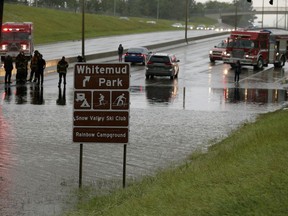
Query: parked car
[162, 64]
[137, 55]
[217, 52]
[201, 27]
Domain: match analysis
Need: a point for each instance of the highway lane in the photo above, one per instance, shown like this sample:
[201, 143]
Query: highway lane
[39, 162]
[71, 49]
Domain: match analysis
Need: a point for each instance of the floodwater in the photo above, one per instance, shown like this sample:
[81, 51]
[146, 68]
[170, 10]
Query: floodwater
[169, 119]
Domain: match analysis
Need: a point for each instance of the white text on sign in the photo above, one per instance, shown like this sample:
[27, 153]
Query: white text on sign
[97, 69]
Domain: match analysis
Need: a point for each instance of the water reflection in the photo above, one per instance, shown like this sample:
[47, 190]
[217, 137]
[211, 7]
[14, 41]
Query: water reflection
[36, 93]
[7, 94]
[21, 94]
[61, 100]
[260, 96]
[5, 160]
[161, 90]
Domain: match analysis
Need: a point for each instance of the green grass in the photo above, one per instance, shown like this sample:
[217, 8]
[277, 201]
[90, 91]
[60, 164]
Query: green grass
[245, 174]
[55, 25]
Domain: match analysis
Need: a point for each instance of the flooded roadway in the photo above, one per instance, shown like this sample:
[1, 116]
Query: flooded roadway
[39, 163]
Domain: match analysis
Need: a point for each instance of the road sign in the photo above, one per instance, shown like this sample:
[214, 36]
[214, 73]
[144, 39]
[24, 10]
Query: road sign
[101, 103]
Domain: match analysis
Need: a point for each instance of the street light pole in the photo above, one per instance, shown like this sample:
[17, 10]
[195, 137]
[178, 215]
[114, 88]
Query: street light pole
[285, 15]
[236, 14]
[114, 7]
[157, 9]
[262, 13]
[1, 15]
[277, 15]
[83, 29]
[186, 22]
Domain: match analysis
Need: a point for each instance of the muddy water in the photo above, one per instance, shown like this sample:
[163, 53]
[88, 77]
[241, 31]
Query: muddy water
[39, 162]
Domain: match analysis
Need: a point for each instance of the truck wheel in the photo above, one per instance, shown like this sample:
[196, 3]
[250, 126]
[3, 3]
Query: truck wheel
[282, 61]
[259, 64]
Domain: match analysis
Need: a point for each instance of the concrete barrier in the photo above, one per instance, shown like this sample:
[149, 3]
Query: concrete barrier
[52, 63]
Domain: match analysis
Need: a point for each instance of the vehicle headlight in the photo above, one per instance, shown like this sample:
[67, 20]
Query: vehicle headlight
[210, 52]
[226, 53]
[4, 47]
[23, 46]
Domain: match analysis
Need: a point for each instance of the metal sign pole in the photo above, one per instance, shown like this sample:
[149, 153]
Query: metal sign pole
[124, 166]
[80, 165]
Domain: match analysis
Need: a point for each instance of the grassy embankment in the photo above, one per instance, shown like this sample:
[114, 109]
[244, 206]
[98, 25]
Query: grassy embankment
[245, 174]
[56, 25]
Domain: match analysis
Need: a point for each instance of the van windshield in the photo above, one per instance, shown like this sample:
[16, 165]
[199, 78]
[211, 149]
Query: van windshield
[240, 43]
[15, 36]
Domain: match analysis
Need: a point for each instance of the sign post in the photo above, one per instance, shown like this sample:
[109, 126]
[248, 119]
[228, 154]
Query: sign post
[101, 104]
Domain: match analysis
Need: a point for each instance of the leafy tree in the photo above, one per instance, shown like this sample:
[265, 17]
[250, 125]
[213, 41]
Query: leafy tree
[165, 9]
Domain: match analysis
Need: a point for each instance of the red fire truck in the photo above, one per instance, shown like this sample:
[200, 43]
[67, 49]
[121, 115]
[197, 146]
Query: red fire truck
[257, 48]
[16, 37]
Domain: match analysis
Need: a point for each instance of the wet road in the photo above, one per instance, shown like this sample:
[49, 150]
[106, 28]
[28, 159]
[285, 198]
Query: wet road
[39, 162]
[109, 44]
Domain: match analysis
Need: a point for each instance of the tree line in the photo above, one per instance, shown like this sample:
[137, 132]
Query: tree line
[162, 9]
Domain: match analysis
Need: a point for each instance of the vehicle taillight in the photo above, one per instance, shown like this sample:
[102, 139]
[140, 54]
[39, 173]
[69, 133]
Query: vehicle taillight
[168, 63]
[149, 63]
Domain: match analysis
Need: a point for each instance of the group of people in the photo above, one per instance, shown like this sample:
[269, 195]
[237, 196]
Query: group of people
[37, 67]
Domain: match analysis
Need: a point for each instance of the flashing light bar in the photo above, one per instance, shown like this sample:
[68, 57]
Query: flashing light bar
[12, 29]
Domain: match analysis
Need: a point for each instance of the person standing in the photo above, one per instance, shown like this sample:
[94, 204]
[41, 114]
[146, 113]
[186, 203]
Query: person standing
[21, 67]
[8, 66]
[120, 52]
[33, 66]
[41, 65]
[237, 71]
[80, 59]
[62, 70]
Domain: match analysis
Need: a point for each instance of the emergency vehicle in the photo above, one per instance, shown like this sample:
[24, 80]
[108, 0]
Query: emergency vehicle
[257, 48]
[16, 37]
[216, 53]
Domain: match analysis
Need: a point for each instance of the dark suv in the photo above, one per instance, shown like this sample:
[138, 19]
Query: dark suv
[162, 64]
